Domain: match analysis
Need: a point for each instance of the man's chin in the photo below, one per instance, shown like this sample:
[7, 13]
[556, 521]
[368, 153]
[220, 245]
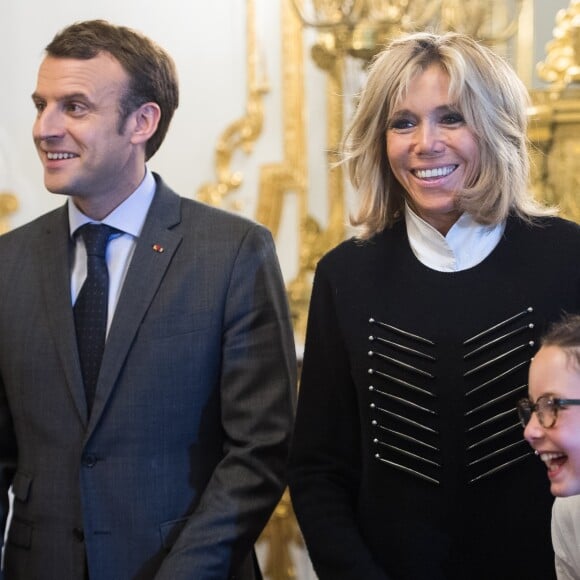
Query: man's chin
[56, 188]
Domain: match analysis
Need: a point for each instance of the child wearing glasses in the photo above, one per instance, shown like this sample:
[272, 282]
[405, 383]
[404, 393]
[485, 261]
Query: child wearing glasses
[551, 417]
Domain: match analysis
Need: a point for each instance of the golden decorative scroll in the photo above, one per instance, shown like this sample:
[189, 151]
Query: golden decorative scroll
[291, 175]
[555, 118]
[277, 180]
[562, 64]
[8, 205]
[280, 534]
[243, 132]
[360, 28]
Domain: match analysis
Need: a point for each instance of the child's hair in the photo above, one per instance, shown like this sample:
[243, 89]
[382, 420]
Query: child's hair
[565, 334]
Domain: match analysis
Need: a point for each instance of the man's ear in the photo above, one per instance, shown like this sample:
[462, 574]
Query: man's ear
[146, 119]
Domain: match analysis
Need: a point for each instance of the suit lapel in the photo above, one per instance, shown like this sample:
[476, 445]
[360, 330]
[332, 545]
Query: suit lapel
[54, 253]
[153, 254]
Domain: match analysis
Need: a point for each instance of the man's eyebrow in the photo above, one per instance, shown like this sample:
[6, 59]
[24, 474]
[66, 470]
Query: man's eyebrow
[66, 97]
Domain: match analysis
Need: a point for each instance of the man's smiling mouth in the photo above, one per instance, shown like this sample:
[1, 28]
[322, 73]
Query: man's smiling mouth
[54, 156]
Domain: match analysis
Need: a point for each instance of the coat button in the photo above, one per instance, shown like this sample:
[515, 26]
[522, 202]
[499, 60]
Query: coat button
[78, 534]
[89, 460]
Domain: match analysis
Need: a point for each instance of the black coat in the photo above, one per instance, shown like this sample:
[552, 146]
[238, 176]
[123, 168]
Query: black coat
[408, 461]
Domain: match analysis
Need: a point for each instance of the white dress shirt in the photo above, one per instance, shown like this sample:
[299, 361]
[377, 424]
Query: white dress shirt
[466, 244]
[129, 218]
[566, 537]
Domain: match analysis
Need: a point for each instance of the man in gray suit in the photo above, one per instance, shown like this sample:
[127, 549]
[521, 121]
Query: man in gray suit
[171, 465]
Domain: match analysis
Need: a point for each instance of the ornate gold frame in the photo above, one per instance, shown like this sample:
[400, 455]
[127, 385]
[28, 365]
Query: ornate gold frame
[555, 118]
[242, 133]
[8, 205]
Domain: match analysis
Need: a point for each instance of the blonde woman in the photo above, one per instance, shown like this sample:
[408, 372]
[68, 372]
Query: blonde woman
[408, 459]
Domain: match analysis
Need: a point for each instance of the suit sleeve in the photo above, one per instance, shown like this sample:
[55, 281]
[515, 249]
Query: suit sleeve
[325, 461]
[7, 460]
[258, 392]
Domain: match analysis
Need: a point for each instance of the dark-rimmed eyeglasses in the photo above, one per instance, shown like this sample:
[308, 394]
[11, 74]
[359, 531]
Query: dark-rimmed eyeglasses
[546, 408]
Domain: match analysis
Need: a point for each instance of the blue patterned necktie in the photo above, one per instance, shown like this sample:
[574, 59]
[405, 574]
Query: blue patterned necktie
[90, 309]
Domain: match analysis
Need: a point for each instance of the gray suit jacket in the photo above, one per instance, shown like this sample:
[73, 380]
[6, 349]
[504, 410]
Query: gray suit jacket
[183, 458]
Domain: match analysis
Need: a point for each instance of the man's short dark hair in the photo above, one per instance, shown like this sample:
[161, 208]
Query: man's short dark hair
[152, 74]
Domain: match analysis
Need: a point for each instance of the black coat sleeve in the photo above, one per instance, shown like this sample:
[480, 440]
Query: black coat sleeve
[325, 458]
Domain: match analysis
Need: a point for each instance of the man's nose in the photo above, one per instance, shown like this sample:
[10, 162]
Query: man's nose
[49, 124]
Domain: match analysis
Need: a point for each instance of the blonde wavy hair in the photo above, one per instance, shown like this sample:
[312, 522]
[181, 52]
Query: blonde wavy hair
[491, 98]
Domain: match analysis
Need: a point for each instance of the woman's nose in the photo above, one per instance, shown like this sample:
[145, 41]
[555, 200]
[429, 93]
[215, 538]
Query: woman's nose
[428, 138]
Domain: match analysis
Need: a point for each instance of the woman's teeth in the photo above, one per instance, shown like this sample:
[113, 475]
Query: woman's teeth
[436, 172]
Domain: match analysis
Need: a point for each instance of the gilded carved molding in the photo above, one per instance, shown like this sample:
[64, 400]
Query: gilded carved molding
[555, 118]
[277, 180]
[8, 205]
[243, 132]
[291, 175]
[562, 64]
[281, 534]
[360, 28]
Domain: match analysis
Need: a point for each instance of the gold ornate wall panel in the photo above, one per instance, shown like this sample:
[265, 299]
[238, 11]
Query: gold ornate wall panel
[281, 534]
[8, 205]
[243, 132]
[315, 238]
[360, 28]
[277, 180]
[8, 200]
[555, 118]
[555, 136]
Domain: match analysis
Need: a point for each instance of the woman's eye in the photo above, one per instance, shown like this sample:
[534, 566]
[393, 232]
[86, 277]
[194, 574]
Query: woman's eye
[452, 119]
[399, 124]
